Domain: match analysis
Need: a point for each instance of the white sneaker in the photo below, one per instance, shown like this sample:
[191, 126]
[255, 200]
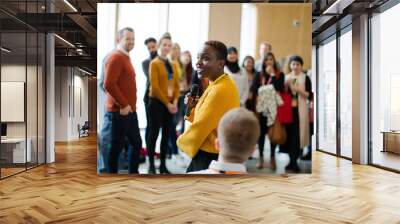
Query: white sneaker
[181, 161]
[174, 158]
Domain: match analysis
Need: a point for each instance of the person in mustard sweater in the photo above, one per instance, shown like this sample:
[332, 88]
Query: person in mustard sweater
[163, 99]
[220, 96]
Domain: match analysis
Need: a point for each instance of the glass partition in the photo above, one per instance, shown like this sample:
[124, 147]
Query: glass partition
[22, 78]
[327, 96]
[346, 94]
[385, 89]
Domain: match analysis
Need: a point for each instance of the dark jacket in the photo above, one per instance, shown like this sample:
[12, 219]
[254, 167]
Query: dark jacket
[278, 83]
[145, 68]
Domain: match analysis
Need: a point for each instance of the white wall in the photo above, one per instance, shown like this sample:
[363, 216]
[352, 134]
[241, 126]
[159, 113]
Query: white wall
[61, 103]
[16, 73]
[71, 93]
[33, 127]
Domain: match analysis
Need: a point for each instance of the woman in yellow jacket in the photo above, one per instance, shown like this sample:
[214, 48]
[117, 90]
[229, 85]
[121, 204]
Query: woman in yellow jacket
[163, 99]
[198, 141]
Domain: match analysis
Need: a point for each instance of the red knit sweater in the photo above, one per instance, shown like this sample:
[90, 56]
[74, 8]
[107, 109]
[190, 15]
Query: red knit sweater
[119, 82]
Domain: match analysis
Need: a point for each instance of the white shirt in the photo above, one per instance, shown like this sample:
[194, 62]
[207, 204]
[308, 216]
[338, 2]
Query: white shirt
[258, 65]
[217, 167]
[122, 50]
[241, 82]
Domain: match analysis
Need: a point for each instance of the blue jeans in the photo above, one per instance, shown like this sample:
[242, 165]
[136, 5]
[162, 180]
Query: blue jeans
[104, 144]
[124, 127]
[172, 147]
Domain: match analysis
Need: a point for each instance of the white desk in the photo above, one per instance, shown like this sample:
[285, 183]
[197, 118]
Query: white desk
[18, 149]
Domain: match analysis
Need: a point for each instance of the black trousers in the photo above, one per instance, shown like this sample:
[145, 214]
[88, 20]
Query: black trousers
[261, 140]
[124, 127]
[292, 144]
[146, 107]
[201, 161]
[160, 117]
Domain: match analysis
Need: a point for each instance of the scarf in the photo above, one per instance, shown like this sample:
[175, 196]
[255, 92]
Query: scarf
[300, 81]
[233, 66]
[168, 67]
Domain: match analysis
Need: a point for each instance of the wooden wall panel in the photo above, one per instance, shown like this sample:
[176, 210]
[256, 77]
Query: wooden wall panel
[224, 23]
[275, 25]
[92, 100]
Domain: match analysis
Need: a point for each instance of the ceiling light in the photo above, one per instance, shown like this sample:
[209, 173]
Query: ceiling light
[64, 40]
[338, 6]
[86, 72]
[70, 5]
[5, 50]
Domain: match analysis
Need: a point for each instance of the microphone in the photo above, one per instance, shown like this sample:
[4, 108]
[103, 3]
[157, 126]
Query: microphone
[194, 91]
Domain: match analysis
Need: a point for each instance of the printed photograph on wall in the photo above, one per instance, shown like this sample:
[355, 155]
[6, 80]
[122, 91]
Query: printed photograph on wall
[204, 88]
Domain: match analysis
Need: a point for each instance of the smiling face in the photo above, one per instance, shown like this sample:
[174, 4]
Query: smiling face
[127, 40]
[270, 61]
[232, 57]
[249, 64]
[186, 58]
[296, 67]
[208, 65]
[165, 47]
[176, 52]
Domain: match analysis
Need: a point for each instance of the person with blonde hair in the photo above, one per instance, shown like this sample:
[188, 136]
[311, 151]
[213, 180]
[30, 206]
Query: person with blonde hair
[163, 100]
[238, 131]
[174, 58]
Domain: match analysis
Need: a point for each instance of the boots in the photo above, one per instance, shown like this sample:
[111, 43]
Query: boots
[273, 163]
[152, 169]
[260, 163]
[163, 169]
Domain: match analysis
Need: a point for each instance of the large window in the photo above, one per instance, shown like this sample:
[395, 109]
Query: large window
[327, 96]
[105, 36]
[248, 30]
[385, 89]
[346, 94]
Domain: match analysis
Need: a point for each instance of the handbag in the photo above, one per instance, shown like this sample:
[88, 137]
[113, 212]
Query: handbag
[285, 113]
[277, 133]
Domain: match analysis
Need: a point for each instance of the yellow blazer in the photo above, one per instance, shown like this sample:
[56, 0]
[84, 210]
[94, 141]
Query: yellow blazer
[159, 81]
[219, 97]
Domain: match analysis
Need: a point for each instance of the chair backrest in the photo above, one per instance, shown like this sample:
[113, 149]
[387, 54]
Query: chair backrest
[86, 125]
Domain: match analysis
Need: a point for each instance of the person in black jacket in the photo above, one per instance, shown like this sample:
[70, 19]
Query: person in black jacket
[270, 74]
[151, 44]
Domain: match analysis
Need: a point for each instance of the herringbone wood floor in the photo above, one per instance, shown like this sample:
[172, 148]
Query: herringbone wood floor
[70, 191]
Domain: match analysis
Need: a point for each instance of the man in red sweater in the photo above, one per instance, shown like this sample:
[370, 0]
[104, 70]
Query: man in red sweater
[120, 86]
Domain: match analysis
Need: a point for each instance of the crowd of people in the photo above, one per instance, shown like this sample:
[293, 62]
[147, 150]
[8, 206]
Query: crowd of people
[234, 108]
